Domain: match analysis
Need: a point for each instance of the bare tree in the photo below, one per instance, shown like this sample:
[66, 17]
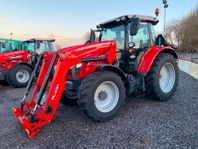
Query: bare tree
[184, 32]
[189, 39]
[173, 32]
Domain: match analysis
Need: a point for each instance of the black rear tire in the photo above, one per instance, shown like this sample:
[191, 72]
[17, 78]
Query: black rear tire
[86, 95]
[153, 87]
[69, 97]
[11, 76]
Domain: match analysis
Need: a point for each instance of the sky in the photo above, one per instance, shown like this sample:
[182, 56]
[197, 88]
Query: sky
[69, 20]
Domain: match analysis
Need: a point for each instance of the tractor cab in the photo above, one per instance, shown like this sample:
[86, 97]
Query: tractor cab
[6, 46]
[134, 34]
[37, 46]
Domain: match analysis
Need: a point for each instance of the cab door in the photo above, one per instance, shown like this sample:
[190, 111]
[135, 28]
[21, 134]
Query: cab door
[143, 40]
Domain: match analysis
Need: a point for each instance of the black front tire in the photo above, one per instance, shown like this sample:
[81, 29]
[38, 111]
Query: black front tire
[11, 75]
[69, 97]
[152, 80]
[87, 91]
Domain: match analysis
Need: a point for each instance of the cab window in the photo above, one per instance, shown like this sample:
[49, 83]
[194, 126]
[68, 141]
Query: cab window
[115, 33]
[45, 47]
[7, 47]
[29, 47]
[141, 39]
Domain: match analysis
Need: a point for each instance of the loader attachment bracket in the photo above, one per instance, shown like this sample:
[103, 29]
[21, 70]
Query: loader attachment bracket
[30, 128]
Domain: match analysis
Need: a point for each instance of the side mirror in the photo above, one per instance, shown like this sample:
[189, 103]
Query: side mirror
[92, 37]
[135, 24]
[131, 45]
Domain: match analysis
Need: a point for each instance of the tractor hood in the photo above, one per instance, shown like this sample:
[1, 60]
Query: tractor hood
[94, 45]
[96, 51]
[14, 55]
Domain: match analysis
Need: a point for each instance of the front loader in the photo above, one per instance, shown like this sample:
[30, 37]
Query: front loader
[126, 59]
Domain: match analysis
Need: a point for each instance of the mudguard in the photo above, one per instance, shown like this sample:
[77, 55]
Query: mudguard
[150, 55]
[112, 68]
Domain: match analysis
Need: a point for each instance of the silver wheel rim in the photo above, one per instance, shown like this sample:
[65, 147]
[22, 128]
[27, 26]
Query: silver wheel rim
[106, 96]
[22, 76]
[167, 77]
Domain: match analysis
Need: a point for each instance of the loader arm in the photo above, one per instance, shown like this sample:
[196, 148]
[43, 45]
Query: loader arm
[41, 109]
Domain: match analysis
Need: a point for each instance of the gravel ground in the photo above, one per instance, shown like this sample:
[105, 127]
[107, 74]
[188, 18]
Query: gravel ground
[142, 123]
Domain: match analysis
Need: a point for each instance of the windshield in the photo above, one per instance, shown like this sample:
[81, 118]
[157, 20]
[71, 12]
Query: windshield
[44, 47]
[114, 33]
[6, 47]
[141, 39]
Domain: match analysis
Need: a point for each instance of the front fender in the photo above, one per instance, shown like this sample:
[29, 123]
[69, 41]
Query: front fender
[150, 55]
[114, 69]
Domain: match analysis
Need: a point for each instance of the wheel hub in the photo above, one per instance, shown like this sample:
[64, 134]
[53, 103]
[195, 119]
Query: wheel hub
[22, 76]
[167, 77]
[102, 95]
[106, 96]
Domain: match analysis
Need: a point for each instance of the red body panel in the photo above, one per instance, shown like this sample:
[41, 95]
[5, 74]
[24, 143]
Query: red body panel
[10, 59]
[149, 56]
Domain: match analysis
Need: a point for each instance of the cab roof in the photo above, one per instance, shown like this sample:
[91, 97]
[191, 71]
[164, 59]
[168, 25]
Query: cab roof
[40, 40]
[127, 18]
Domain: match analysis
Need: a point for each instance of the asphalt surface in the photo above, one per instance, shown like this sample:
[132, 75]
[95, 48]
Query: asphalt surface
[142, 123]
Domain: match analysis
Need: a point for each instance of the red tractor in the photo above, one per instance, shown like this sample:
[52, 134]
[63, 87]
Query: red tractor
[17, 65]
[126, 59]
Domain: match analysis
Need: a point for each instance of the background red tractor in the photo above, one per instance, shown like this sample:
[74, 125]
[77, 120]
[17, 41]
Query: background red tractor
[17, 65]
[127, 58]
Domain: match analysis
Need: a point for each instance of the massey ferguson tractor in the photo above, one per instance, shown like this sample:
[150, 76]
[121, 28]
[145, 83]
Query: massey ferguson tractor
[125, 59]
[16, 65]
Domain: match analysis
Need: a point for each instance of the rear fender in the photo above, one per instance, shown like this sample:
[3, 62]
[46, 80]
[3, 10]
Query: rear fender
[150, 55]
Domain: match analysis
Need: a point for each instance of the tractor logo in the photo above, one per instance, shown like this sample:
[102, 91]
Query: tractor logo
[55, 92]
